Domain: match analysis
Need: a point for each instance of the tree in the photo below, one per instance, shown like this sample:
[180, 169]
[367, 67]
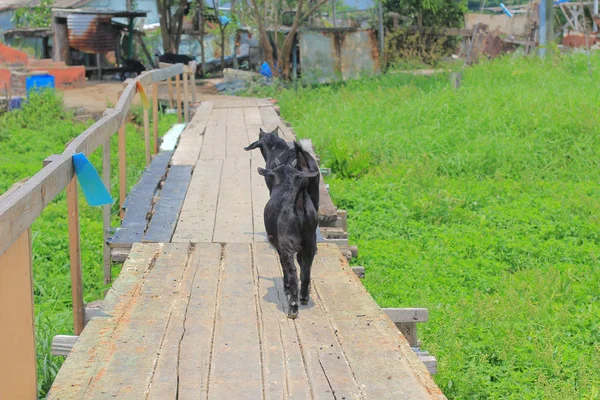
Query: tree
[430, 13]
[34, 17]
[171, 25]
[284, 56]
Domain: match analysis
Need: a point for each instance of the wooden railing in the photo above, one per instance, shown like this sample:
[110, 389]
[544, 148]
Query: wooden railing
[25, 201]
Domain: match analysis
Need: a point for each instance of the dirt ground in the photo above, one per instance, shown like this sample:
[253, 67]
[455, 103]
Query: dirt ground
[96, 96]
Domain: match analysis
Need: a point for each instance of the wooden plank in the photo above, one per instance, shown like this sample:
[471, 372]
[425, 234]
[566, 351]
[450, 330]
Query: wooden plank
[269, 116]
[186, 98]
[283, 364]
[72, 380]
[409, 330]
[196, 343]
[138, 204]
[189, 147]
[166, 212]
[359, 271]
[178, 91]
[218, 117]
[25, 204]
[164, 381]
[327, 210]
[135, 346]
[75, 256]
[122, 169]
[197, 219]
[63, 344]
[106, 217]
[236, 363]
[235, 117]
[237, 139]
[407, 314]
[155, 115]
[17, 347]
[260, 197]
[383, 363]
[214, 144]
[170, 88]
[147, 136]
[252, 116]
[162, 74]
[233, 223]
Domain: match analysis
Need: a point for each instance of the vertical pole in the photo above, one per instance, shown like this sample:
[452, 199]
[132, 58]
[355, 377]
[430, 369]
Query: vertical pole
[595, 13]
[333, 12]
[130, 38]
[99, 65]
[75, 256]
[170, 86]
[106, 212]
[542, 31]
[17, 348]
[193, 80]
[155, 115]
[122, 170]
[381, 33]
[186, 104]
[178, 84]
[147, 135]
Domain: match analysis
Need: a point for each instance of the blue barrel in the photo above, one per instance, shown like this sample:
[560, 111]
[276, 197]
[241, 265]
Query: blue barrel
[38, 82]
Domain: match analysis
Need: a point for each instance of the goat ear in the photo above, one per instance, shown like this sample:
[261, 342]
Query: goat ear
[276, 131]
[261, 133]
[264, 172]
[253, 145]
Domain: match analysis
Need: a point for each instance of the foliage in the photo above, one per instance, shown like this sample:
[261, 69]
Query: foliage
[429, 13]
[41, 128]
[482, 205]
[34, 17]
[427, 46]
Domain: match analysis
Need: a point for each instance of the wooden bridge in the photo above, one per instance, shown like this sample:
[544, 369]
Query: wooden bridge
[198, 310]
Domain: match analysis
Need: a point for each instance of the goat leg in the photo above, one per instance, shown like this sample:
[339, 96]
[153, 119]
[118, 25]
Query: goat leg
[305, 259]
[289, 267]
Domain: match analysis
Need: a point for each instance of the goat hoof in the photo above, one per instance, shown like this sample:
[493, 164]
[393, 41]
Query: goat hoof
[304, 301]
[293, 311]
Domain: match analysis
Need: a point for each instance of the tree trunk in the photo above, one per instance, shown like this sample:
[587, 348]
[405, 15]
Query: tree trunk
[264, 39]
[235, 37]
[201, 29]
[171, 26]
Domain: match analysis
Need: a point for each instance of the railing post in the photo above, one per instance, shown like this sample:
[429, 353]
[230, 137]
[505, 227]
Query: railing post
[155, 115]
[193, 80]
[122, 169]
[18, 378]
[178, 84]
[75, 256]
[106, 212]
[170, 87]
[186, 104]
[147, 135]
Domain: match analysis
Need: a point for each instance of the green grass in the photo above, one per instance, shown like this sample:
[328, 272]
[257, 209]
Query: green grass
[481, 204]
[27, 137]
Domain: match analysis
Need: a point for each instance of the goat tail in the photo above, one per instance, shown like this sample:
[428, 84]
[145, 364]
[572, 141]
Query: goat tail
[306, 145]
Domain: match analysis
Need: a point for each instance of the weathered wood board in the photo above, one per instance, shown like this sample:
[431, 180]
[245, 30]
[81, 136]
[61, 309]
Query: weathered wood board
[209, 321]
[167, 209]
[138, 204]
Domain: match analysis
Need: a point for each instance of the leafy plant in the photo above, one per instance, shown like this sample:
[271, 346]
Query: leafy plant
[34, 17]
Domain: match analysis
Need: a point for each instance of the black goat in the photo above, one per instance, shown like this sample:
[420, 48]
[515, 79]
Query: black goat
[172, 58]
[291, 222]
[132, 66]
[277, 151]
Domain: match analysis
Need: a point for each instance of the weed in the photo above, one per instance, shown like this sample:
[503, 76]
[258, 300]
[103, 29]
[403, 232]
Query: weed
[480, 204]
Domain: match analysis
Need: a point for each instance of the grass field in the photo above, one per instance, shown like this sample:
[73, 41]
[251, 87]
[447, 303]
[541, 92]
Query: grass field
[27, 137]
[481, 204]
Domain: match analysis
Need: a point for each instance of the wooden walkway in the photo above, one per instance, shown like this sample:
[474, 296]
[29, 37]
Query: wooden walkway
[202, 315]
